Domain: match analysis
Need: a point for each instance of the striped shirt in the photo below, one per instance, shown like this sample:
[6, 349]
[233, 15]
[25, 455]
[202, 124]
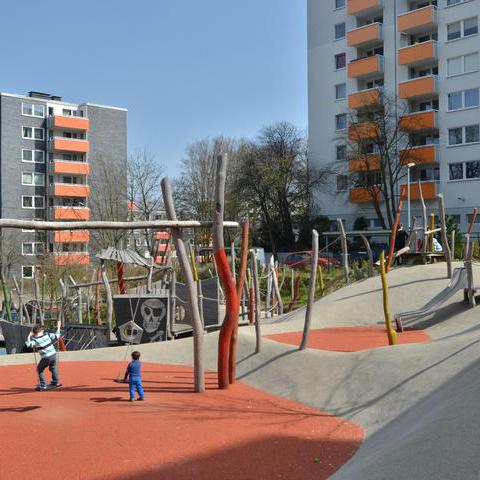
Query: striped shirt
[44, 344]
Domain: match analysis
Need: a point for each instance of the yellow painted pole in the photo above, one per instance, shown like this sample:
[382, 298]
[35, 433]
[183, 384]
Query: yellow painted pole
[432, 226]
[391, 333]
[194, 265]
[321, 282]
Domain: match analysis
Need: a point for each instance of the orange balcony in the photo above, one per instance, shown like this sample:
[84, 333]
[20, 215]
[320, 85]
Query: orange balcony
[419, 121]
[74, 168]
[71, 258]
[429, 191]
[418, 87]
[364, 99]
[364, 7]
[71, 213]
[366, 67]
[365, 36]
[421, 53]
[419, 20]
[419, 155]
[363, 195]
[366, 163]
[70, 190]
[77, 236]
[69, 123]
[364, 130]
[69, 145]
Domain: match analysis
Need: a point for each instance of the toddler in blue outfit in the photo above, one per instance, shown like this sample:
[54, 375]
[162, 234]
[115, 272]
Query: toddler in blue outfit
[134, 377]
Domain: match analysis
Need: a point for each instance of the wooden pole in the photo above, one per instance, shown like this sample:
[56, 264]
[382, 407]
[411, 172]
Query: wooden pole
[311, 290]
[150, 276]
[393, 235]
[370, 254]
[391, 333]
[198, 360]
[446, 247]
[108, 291]
[173, 297]
[343, 238]
[79, 302]
[424, 217]
[20, 300]
[269, 291]
[276, 289]
[432, 227]
[256, 288]
[453, 246]
[5, 296]
[470, 279]
[97, 296]
[37, 297]
[63, 305]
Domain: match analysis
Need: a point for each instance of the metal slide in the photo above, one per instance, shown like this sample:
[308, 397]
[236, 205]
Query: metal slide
[457, 283]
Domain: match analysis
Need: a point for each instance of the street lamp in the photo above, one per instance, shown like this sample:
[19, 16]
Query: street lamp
[409, 166]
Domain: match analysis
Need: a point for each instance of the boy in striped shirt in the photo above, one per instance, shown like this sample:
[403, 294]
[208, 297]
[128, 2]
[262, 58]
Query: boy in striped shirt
[42, 342]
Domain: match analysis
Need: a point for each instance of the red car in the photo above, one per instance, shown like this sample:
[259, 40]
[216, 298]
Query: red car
[302, 260]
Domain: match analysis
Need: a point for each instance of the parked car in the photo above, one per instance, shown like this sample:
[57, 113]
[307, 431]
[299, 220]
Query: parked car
[302, 260]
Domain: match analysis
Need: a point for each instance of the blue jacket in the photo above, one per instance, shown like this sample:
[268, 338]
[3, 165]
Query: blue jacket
[133, 370]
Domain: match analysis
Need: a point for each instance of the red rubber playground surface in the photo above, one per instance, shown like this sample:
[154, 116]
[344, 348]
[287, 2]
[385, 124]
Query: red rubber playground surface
[349, 339]
[88, 430]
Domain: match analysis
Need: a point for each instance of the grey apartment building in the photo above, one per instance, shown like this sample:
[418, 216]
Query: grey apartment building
[425, 53]
[49, 156]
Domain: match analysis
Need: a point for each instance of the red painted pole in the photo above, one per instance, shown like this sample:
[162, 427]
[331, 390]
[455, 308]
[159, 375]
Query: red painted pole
[121, 279]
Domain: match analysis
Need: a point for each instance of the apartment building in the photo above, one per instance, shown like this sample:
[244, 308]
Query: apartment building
[426, 55]
[49, 153]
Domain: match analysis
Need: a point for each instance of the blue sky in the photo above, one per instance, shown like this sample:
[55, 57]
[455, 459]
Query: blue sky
[185, 69]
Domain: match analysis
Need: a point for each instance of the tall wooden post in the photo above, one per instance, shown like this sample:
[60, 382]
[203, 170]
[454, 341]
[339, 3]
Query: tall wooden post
[424, 218]
[63, 305]
[343, 239]
[392, 335]
[276, 289]
[430, 237]
[108, 291]
[370, 254]
[256, 288]
[393, 235]
[446, 247]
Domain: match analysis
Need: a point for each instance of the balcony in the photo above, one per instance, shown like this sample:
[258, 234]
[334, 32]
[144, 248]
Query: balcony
[419, 155]
[366, 67]
[418, 87]
[420, 20]
[363, 130]
[73, 168]
[71, 258]
[365, 36]
[363, 195]
[70, 213]
[63, 144]
[419, 121]
[418, 54]
[70, 190]
[364, 7]
[69, 123]
[429, 191]
[77, 236]
[366, 163]
[364, 99]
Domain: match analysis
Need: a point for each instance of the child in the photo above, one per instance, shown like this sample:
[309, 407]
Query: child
[42, 342]
[134, 377]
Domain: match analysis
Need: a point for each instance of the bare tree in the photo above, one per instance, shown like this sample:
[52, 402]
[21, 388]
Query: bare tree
[10, 249]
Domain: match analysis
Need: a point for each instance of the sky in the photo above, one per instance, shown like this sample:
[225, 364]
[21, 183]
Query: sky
[184, 69]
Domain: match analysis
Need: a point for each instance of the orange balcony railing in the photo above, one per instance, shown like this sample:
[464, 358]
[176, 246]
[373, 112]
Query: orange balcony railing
[429, 190]
[420, 53]
[364, 7]
[70, 190]
[70, 213]
[74, 168]
[363, 195]
[77, 236]
[418, 20]
[363, 130]
[69, 145]
[419, 155]
[419, 121]
[366, 163]
[364, 99]
[365, 36]
[418, 87]
[69, 123]
[71, 258]
[366, 67]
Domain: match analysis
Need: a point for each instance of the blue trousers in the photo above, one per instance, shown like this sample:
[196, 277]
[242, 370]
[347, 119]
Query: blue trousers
[135, 383]
[51, 363]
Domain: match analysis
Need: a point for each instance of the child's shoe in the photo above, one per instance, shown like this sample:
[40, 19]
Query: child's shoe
[140, 399]
[132, 399]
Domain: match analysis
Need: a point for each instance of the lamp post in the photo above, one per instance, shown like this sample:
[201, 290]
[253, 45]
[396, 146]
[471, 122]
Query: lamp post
[409, 166]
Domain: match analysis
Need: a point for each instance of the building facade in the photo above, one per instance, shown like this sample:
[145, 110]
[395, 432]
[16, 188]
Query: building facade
[425, 53]
[49, 155]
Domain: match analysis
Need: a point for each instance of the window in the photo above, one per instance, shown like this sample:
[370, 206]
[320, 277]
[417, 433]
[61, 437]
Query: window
[464, 64]
[339, 3]
[430, 174]
[32, 248]
[32, 133]
[341, 121]
[342, 183]
[472, 169]
[455, 136]
[379, 82]
[35, 179]
[472, 134]
[339, 31]
[453, 2]
[340, 61]
[33, 110]
[341, 91]
[470, 218]
[464, 135]
[27, 271]
[456, 171]
[464, 28]
[464, 99]
[33, 156]
[33, 201]
[341, 152]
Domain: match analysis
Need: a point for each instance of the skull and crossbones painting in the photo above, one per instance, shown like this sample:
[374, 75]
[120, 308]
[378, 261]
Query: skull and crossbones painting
[153, 311]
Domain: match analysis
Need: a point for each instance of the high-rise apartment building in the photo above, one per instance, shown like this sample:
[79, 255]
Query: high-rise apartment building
[49, 156]
[425, 54]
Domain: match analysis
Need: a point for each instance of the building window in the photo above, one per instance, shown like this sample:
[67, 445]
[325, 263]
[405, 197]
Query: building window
[455, 2]
[33, 110]
[33, 201]
[430, 174]
[464, 64]
[32, 133]
[32, 248]
[341, 121]
[339, 4]
[33, 156]
[456, 171]
[340, 31]
[340, 61]
[34, 179]
[341, 152]
[342, 183]
[472, 169]
[27, 271]
[463, 28]
[464, 99]
[341, 91]
[464, 135]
